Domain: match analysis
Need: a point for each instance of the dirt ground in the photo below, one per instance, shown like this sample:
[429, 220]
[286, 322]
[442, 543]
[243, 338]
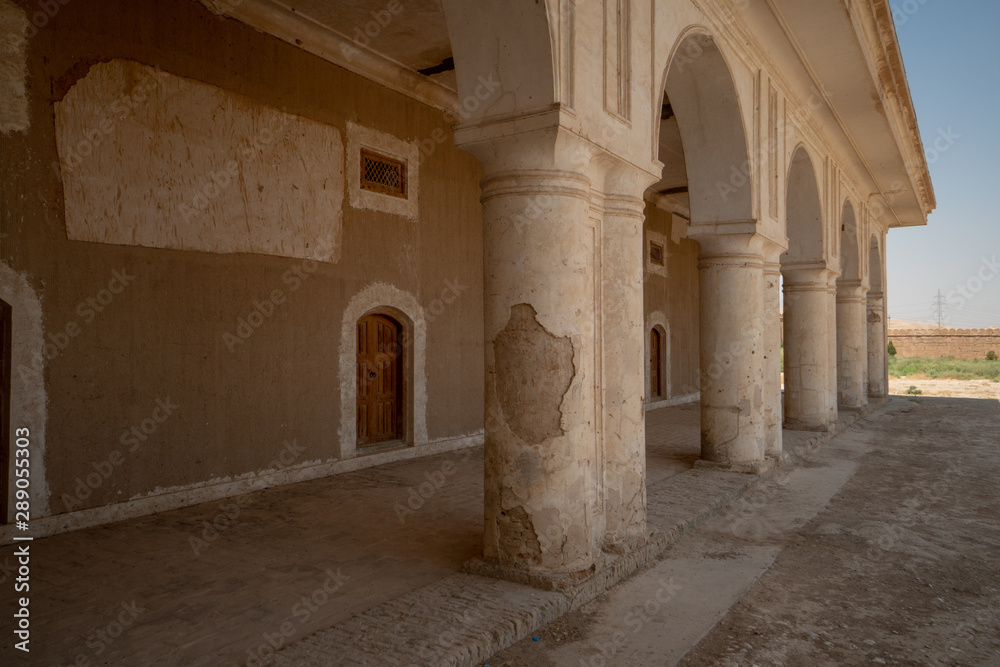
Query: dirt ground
[895, 562]
[937, 387]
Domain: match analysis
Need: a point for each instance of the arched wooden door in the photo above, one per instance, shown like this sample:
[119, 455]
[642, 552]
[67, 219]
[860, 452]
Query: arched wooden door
[655, 364]
[6, 329]
[380, 387]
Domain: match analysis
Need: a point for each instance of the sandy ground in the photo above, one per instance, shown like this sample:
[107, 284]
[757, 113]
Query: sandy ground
[937, 387]
[880, 548]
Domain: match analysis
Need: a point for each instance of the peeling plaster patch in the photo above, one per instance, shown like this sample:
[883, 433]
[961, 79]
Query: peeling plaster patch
[359, 137]
[13, 68]
[382, 297]
[518, 539]
[160, 161]
[538, 370]
[28, 402]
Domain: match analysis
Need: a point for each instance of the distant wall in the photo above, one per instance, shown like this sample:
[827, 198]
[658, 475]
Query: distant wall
[960, 343]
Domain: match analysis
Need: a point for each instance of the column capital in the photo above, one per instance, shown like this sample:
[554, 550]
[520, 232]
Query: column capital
[729, 249]
[812, 275]
[773, 249]
[851, 291]
[548, 140]
[718, 228]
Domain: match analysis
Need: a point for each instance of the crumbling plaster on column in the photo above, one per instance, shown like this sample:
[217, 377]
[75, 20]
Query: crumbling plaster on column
[531, 396]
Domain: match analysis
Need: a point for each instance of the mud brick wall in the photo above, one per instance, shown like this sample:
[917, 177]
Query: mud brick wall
[959, 343]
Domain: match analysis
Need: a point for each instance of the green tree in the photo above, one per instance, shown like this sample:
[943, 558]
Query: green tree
[892, 349]
[991, 356]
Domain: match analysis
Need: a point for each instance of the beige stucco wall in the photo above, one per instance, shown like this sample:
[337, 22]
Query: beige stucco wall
[135, 332]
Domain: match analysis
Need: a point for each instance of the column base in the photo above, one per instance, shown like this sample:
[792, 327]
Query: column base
[799, 426]
[743, 467]
[543, 581]
[614, 563]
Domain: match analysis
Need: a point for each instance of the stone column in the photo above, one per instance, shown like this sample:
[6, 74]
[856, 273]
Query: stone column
[852, 345]
[831, 347]
[623, 425]
[807, 349]
[546, 351]
[772, 349]
[878, 376]
[731, 348]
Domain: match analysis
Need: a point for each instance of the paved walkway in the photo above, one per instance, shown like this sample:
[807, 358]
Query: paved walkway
[882, 547]
[369, 561]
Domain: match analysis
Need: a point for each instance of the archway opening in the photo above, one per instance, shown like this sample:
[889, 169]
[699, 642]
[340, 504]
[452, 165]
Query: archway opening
[809, 318]
[852, 332]
[877, 320]
[705, 197]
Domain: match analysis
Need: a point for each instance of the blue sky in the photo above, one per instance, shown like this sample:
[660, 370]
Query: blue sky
[951, 50]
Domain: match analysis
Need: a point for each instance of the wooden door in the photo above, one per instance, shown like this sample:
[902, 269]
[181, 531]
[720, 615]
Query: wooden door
[655, 370]
[379, 370]
[5, 430]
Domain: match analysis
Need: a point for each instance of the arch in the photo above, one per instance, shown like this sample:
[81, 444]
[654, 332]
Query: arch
[803, 212]
[503, 52]
[850, 263]
[403, 307]
[698, 86]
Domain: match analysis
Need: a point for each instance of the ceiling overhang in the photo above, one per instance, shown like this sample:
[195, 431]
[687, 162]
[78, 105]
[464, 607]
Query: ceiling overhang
[422, 73]
[852, 53]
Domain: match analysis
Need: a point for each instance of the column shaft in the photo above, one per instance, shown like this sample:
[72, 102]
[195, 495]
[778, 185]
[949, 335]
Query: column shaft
[831, 349]
[623, 378]
[772, 351]
[852, 347]
[539, 309]
[732, 348]
[807, 349]
[878, 380]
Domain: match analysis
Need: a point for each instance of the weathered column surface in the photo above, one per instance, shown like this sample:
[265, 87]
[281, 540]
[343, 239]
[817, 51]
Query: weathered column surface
[831, 347]
[852, 345]
[772, 349]
[731, 348]
[808, 335]
[564, 419]
[623, 425]
[878, 374]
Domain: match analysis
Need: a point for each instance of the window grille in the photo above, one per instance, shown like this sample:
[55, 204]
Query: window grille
[655, 253]
[383, 174]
